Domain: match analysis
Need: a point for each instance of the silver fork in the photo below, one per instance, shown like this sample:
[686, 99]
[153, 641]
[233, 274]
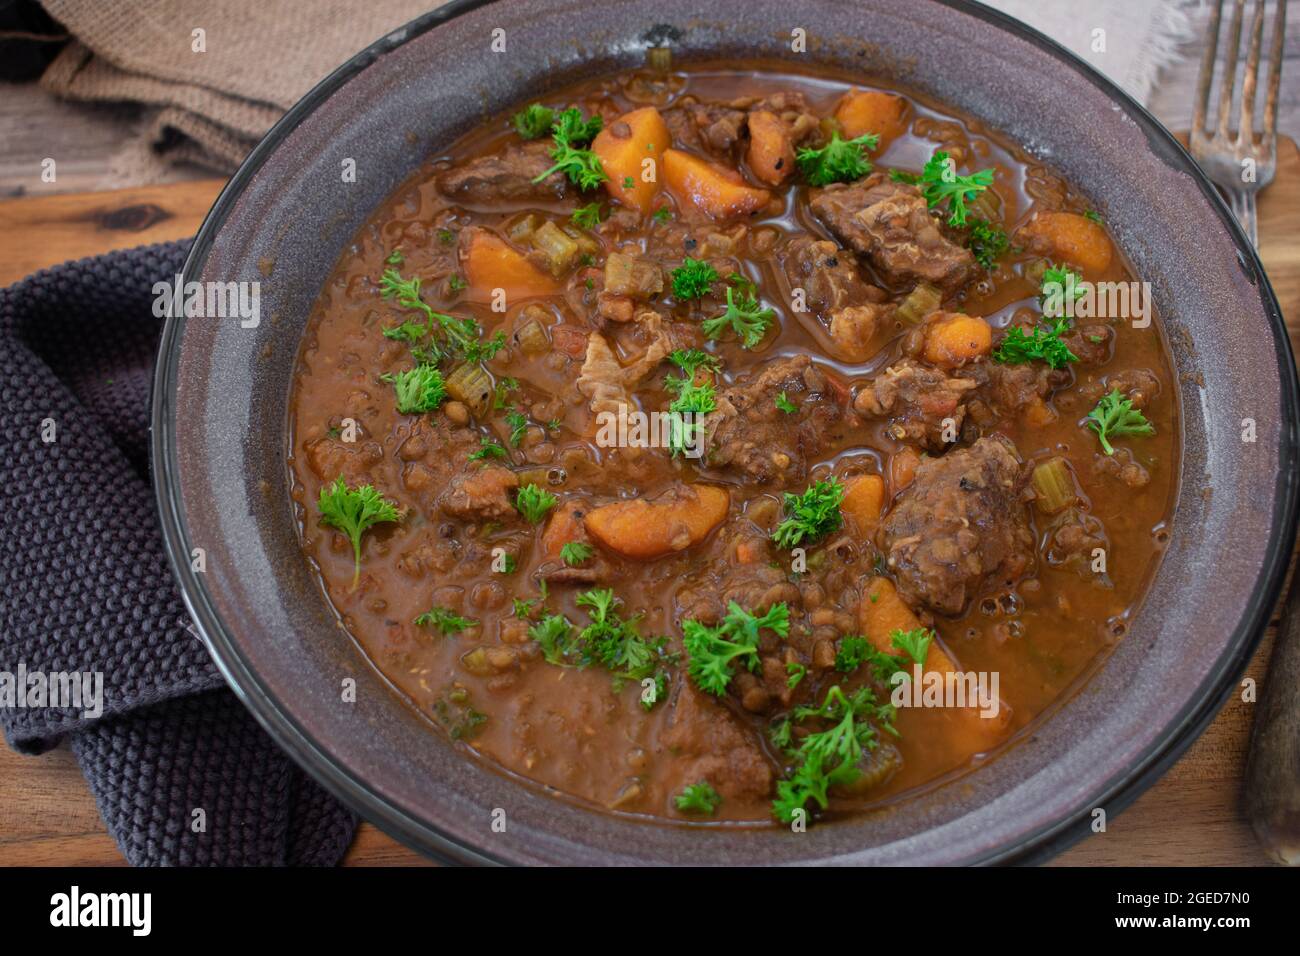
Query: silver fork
[1241, 165]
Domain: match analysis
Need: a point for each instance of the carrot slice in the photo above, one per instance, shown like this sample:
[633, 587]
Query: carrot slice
[623, 148]
[864, 496]
[714, 189]
[867, 111]
[650, 529]
[490, 264]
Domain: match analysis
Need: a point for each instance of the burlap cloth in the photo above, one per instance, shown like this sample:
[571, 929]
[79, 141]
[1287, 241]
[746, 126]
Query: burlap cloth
[211, 107]
[261, 56]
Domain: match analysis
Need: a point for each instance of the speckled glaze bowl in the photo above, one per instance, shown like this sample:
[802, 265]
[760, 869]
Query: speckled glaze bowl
[220, 419]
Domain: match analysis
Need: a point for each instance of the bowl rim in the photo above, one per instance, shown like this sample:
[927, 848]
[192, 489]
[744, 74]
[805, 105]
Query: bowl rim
[1035, 847]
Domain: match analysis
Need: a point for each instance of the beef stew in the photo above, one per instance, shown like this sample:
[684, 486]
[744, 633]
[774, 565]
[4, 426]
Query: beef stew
[660, 433]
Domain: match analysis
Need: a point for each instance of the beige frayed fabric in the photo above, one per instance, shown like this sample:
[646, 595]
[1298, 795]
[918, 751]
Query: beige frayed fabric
[261, 56]
[258, 58]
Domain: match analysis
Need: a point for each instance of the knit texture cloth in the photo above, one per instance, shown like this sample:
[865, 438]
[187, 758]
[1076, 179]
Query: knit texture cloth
[180, 771]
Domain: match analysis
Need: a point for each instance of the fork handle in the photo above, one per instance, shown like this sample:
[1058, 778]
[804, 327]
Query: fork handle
[1273, 767]
[1243, 207]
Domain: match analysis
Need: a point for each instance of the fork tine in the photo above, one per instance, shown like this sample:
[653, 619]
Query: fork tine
[1274, 76]
[1230, 71]
[1250, 79]
[1206, 78]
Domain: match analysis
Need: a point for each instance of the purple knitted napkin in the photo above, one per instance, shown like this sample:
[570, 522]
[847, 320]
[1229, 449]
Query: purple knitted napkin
[95, 644]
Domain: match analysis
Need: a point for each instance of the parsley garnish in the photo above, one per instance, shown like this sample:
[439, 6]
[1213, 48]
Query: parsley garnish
[615, 642]
[518, 423]
[462, 334]
[939, 181]
[796, 672]
[487, 449]
[1115, 416]
[445, 620]
[354, 511]
[395, 258]
[533, 501]
[691, 280]
[587, 217]
[699, 798]
[1063, 282]
[786, 405]
[693, 397]
[854, 651]
[830, 757]
[534, 121]
[503, 387]
[987, 242]
[712, 649]
[609, 640]
[582, 166]
[662, 215]
[1095, 217]
[574, 553]
[839, 161]
[1044, 344]
[811, 515]
[554, 634]
[419, 389]
[915, 644]
[744, 315]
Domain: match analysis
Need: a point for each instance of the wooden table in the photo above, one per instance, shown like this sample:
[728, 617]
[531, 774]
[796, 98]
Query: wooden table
[1192, 816]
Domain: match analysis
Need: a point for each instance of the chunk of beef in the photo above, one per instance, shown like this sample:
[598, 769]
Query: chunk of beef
[758, 585]
[1072, 541]
[507, 176]
[959, 525]
[1012, 391]
[480, 494]
[749, 433]
[827, 274]
[890, 223]
[1090, 344]
[1138, 385]
[1122, 467]
[834, 290]
[331, 458]
[925, 406]
[717, 127]
[712, 744]
[608, 383]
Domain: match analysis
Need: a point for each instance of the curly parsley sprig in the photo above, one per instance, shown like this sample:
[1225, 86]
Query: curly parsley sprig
[463, 335]
[830, 757]
[1044, 343]
[1115, 416]
[569, 131]
[839, 161]
[744, 315]
[712, 650]
[940, 183]
[811, 515]
[354, 511]
[694, 395]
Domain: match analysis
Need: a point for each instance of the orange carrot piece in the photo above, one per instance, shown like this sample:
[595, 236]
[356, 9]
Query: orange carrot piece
[714, 189]
[623, 148]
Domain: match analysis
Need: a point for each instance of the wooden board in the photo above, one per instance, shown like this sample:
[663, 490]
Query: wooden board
[1192, 816]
